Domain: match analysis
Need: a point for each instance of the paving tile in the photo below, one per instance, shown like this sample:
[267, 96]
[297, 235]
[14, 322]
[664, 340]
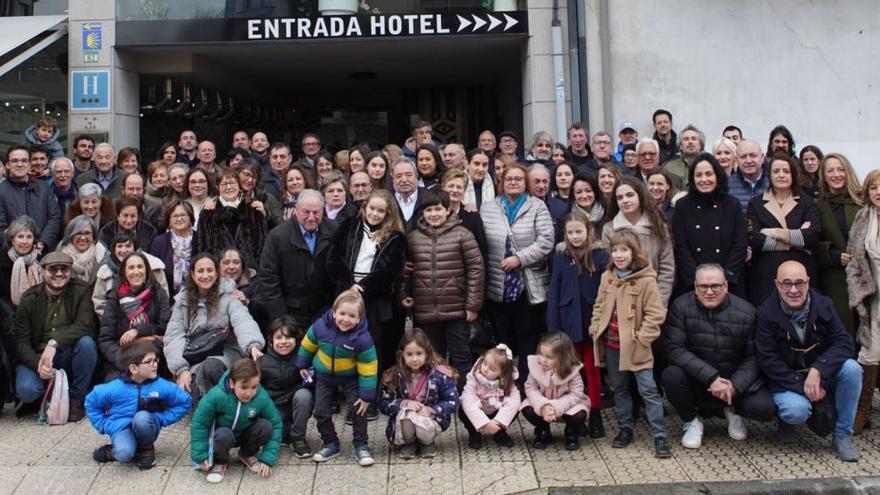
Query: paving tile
[285, 479]
[75, 449]
[25, 442]
[355, 480]
[10, 477]
[647, 470]
[187, 481]
[792, 466]
[66, 480]
[135, 480]
[641, 446]
[718, 468]
[487, 478]
[573, 473]
[417, 479]
[491, 452]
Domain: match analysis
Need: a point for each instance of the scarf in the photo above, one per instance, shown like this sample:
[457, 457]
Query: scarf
[288, 206]
[230, 204]
[135, 306]
[622, 274]
[798, 317]
[26, 273]
[181, 249]
[513, 209]
[85, 265]
[64, 197]
[595, 214]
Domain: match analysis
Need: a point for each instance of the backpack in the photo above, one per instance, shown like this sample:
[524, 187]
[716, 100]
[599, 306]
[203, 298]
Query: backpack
[56, 401]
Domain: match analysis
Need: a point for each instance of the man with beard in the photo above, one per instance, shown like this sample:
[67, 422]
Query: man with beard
[692, 143]
[578, 153]
[186, 146]
[83, 149]
[541, 150]
[664, 135]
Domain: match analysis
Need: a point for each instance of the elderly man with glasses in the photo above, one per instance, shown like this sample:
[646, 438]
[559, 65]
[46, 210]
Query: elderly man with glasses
[806, 355]
[712, 368]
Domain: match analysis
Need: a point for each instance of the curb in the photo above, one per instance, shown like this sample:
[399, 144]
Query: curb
[828, 486]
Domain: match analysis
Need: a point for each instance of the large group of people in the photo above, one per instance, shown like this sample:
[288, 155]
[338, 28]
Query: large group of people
[736, 280]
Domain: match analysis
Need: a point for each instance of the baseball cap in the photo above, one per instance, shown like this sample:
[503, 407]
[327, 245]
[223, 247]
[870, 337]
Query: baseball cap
[627, 125]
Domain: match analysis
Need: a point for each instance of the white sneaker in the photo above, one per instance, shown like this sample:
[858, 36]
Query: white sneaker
[693, 434]
[736, 426]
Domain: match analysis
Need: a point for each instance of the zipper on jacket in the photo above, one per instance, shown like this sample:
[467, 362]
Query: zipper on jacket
[237, 412]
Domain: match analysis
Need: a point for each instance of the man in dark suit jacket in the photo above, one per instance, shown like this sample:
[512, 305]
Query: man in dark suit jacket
[293, 278]
[404, 179]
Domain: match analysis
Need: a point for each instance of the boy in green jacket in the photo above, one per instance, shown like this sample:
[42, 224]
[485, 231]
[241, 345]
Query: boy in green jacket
[236, 412]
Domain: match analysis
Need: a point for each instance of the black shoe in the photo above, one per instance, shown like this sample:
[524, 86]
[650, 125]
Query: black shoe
[661, 448]
[572, 442]
[336, 408]
[503, 439]
[372, 413]
[27, 409]
[543, 438]
[349, 417]
[76, 412]
[475, 440]
[103, 454]
[146, 457]
[624, 437]
[596, 427]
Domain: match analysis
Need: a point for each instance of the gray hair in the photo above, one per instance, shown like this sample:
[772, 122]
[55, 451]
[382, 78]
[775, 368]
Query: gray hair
[708, 267]
[57, 159]
[538, 167]
[600, 134]
[404, 159]
[91, 189]
[76, 225]
[21, 223]
[645, 141]
[542, 136]
[105, 145]
[179, 165]
[700, 135]
[334, 176]
[310, 193]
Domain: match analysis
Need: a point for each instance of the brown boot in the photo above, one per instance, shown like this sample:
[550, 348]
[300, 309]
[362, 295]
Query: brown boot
[863, 410]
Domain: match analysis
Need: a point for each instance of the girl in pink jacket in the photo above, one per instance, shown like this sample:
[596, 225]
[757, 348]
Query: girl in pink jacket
[490, 400]
[555, 391]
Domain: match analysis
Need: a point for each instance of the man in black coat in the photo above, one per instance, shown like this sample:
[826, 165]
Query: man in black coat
[19, 195]
[292, 278]
[711, 351]
[806, 354]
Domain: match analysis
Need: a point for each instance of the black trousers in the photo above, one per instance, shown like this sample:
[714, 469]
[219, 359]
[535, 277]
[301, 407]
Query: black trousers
[690, 397]
[250, 440]
[573, 423]
[519, 325]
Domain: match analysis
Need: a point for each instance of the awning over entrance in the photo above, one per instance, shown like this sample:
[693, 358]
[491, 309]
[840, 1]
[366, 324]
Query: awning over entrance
[18, 31]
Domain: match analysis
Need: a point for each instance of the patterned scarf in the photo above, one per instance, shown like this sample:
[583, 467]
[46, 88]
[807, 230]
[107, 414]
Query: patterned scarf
[181, 248]
[26, 273]
[135, 306]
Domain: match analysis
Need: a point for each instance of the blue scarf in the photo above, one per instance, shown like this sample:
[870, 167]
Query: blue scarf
[513, 209]
[622, 273]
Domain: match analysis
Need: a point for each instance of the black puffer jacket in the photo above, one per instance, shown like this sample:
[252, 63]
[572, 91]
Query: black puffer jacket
[279, 376]
[708, 344]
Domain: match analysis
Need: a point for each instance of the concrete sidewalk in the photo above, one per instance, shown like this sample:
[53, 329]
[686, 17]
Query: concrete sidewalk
[38, 459]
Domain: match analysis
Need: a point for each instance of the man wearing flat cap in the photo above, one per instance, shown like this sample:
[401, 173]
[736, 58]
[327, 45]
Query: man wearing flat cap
[55, 329]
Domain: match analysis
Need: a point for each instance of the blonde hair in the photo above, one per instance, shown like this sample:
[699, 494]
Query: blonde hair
[350, 296]
[563, 350]
[853, 188]
[872, 177]
[392, 221]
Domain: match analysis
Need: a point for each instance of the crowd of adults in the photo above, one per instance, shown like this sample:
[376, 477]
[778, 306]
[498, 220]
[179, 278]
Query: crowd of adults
[108, 246]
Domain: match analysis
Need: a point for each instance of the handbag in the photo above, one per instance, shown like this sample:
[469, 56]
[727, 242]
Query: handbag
[821, 420]
[482, 333]
[205, 345]
[55, 406]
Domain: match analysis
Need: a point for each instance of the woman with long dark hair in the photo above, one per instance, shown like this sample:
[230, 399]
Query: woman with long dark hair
[207, 306]
[811, 158]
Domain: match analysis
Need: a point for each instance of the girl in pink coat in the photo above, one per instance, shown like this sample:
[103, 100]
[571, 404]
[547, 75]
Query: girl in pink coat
[555, 391]
[490, 400]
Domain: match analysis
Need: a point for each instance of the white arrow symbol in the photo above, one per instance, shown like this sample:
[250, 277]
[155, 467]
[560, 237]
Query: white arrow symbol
[493, 23]
[478, 23]
[462, 23]
[510, 22]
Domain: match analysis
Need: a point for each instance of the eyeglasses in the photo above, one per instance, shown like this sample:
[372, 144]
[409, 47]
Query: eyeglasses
[647, 153]
[793, 284]
[19, 160]
[150, 362]
[82, 235]
[602, 143]
[514, 180]
[229, 184]
[198, 181]
[708, 287]
[58, 269]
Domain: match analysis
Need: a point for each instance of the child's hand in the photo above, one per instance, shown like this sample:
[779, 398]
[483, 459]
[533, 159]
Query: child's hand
[360, 406]
[205, 467]
[128, 337]
[425, 411]
[470, 315]
[407, 303]
[264, 471]
[256, 353]
[548, 413]
[492, 427]
[304, 374]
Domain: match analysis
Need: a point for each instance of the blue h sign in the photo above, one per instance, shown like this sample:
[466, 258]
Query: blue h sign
[90, 90]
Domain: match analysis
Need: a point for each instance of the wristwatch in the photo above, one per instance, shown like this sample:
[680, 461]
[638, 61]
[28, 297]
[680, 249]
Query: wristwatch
[52, 343]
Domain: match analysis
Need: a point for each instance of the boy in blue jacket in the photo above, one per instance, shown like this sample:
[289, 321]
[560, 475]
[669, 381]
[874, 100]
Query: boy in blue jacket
[134, 407]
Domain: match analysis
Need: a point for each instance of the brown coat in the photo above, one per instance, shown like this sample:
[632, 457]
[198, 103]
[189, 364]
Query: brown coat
[859, 278]
[447, 276]
[640, 312]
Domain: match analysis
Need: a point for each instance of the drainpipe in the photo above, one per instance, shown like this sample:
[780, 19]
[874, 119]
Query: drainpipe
[558, 72]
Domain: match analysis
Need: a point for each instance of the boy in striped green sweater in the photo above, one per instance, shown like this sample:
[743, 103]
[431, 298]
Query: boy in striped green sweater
[340, 348]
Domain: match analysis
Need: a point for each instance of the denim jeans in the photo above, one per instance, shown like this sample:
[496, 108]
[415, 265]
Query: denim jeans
[78, 360]
[619, 383]
[324, 413]
[143, 432]
[795, 408]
